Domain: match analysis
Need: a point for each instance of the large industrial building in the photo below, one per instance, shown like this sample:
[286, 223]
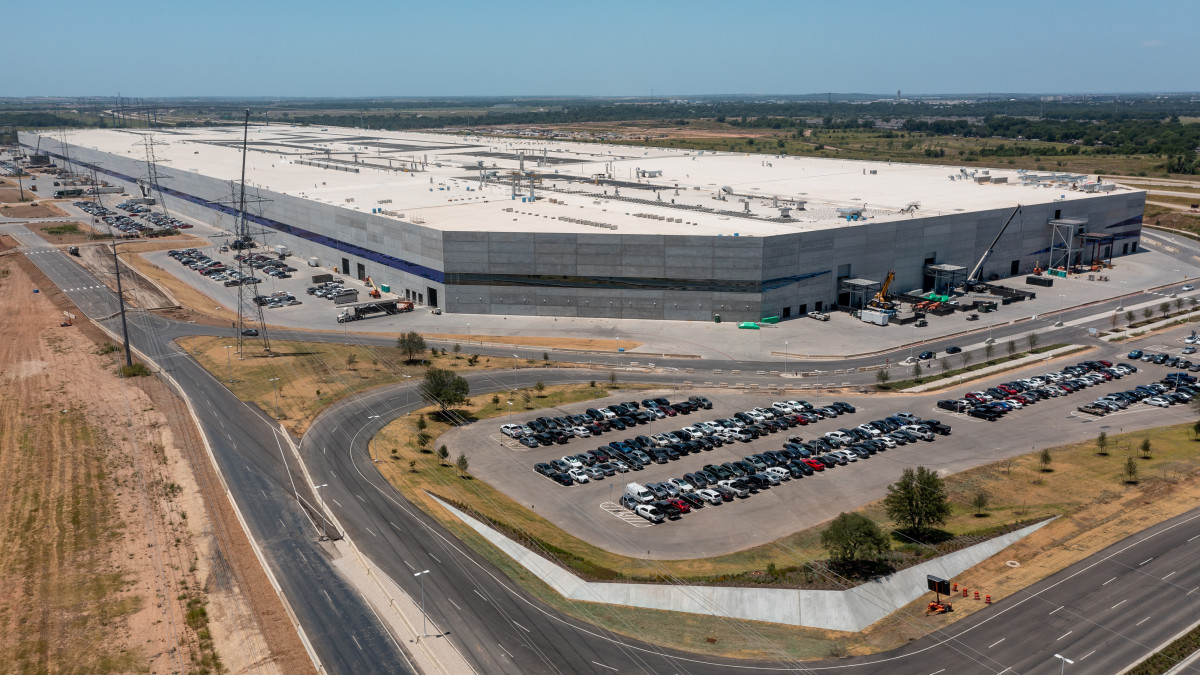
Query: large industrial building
[545, 227]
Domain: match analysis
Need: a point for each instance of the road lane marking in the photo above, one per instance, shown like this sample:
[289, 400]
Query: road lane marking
[327, 596]
[1197, 536]
[1145, 561]
[504, 650]
[1193, 590]
[369, 530]
[455, 604]
[361, 499]
[1165, 578]
[1142, 621]
[1109, 581]
[996, 642]
[356, 642]
[434, 557]
[1087, 655]
[394, 526]
[938, 671]
[521, 627]
[337, 502]
[1119, 603]
[1058, 608]
[1065, 635]
[479, 594]
[409, 566]
[604, 666]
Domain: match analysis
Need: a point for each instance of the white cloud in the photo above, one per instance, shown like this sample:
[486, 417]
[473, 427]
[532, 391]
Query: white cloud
[1151, 44]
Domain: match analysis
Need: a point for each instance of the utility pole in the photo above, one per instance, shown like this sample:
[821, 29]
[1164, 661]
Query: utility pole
[121, 301]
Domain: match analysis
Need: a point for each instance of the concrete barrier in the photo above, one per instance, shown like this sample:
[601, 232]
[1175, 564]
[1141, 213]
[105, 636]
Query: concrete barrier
[851, 610]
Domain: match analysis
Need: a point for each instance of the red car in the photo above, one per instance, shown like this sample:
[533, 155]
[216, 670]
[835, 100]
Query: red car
[678, 503]
[1106, 364]
[670, 412]
[1007, 389]
[816, 466]
[800, 420]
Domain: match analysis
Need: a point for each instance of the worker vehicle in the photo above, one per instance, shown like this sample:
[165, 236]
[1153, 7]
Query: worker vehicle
[880, 302]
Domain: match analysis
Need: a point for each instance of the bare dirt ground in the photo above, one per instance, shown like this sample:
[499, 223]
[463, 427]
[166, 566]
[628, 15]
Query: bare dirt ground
[121, 553]
[83, 236]
[38, 210]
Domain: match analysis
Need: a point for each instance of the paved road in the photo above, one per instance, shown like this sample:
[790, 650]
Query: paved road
[341, 626]
[502, 629]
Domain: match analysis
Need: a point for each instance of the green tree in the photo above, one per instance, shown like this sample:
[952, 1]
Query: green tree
[1102, 443]
[1196, 430]
[1046, 459]
[351, 359]
[980, 501]
[411, 344]
[945, 364]
[462, 464]
[443, 452]
[918, 501]
[1130, 474]
[1012, 347]
[1164, 308]
[421, 423]
[1145, 448]
[540, 386]
[443, 388]
[457, 348]
[412, 466]
[988, 350]
[882, 376]
[1148, 313]
[1032, 339]
[1128, 317]
[852, 537]
[1178, 304]
[916, 371]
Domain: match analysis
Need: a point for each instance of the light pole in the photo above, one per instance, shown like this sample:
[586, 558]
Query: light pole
[514, 374]
[316, 491]
[913, 343]
[785, 357]
[1061, 298]
[468, 334]
[407, 393]
[229, 362]
[1065, 661]
[422, 575]
[1121, 302]
[274, 382]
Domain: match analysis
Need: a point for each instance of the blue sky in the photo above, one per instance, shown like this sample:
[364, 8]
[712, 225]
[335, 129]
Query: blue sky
[606, 47]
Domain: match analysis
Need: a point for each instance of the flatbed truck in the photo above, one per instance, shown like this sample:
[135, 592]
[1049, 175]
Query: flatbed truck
[365, 310]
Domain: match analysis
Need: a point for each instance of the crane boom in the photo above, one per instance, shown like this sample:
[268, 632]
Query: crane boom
[978, 269]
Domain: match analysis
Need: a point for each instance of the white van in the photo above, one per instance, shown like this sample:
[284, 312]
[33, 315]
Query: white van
[639, 492]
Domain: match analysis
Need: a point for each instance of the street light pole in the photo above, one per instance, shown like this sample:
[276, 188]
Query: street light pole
[1065, 661]
[785, 345]
[229, 362]
[407, 393]
[317, 491]
[422, 575]
[515, 357]
[1059, 323]
[275, 383]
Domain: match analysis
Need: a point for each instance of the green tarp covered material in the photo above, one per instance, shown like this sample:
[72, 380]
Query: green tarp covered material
[770, 319]
[748, 324]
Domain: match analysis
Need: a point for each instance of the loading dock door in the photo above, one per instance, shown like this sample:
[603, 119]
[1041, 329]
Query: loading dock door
[1015, 268]
[345, 266]
[432, 296]
[362, 271]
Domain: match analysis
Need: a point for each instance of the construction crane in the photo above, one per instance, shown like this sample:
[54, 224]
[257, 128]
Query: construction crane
[880, 300]
[977, 271]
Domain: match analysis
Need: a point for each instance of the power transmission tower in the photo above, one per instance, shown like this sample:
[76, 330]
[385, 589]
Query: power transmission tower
[249, 312]
[153, 178]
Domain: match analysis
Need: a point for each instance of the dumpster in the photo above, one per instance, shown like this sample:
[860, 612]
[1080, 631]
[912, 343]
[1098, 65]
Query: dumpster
[716, 318]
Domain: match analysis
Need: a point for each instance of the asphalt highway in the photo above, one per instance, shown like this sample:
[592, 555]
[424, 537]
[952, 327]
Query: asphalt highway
[1148, 581]
[342, 628]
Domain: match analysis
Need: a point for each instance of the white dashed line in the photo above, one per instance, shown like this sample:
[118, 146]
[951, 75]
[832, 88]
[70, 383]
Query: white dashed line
[1109, 581]
[1142, 621]
[1058, 608]
[1064, 635]
[1119, 603]
[996, 642]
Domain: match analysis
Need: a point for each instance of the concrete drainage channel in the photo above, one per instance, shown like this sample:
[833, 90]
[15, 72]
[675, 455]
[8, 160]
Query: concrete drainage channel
[850, 610]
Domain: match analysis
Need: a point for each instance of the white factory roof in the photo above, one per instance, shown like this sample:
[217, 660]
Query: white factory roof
[434, 179]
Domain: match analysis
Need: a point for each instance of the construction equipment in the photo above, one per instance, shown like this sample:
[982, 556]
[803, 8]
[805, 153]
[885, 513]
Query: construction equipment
[880, 301]
[374, 292]
[973, 279]
[365, 310]
[937, 607]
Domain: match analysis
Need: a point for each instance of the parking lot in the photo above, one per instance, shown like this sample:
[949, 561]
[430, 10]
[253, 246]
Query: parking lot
[592, 512]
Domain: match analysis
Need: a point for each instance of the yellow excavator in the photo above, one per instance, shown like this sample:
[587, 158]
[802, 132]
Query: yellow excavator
[880, 301]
